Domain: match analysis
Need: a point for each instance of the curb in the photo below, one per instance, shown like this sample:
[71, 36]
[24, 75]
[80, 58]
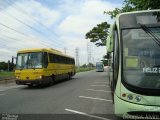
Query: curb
[5, 81]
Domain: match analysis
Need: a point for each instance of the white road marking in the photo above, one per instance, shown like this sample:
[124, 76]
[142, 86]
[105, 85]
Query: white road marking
[101, 82]
[85, 114]
[2, 94]
[97, 90]
[96, 98]
[100, 85]
[2, 88]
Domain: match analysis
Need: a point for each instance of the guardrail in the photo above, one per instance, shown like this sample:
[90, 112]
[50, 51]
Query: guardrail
[7, 80]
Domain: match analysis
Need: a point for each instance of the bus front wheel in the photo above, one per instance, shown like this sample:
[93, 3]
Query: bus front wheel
[112, 91]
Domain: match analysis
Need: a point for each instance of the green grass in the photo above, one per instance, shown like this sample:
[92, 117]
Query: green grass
[82, 69]
[6, 75]
[11, 74]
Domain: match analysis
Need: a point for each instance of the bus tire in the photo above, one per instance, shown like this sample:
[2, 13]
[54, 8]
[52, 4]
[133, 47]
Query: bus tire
[30, 85]
[69, 76]
[52, 80]
[112, 92]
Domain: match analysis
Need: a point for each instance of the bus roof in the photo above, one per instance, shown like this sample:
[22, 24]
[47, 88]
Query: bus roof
[134, 12]
[99, 62]
[50, 50]
[109, 40]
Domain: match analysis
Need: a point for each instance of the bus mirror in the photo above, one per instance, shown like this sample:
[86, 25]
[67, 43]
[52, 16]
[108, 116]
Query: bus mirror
[131, 62]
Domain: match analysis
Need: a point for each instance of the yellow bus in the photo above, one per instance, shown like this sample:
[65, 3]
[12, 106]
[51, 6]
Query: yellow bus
[41, 66]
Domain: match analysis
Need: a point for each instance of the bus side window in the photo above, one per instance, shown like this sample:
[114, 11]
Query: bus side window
[45, 59]
[115, 58]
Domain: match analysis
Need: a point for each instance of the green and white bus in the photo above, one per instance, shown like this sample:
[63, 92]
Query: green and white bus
[134, 74]
[99, 66]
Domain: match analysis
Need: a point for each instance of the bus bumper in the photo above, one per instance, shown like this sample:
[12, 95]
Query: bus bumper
[36, 81]
[128, 110]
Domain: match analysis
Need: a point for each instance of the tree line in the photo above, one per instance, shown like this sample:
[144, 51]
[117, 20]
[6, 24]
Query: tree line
[99, 33]
[7, 66]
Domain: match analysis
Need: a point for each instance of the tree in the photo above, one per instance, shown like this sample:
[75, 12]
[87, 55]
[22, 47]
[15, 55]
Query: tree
[84, 65]
[134, 5]
[3, 66]
[98, 34]
[105, 62]
[90, 65]
[105, 57]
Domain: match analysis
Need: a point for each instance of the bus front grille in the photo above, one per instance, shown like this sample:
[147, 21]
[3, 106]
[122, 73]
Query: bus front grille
[144, 115]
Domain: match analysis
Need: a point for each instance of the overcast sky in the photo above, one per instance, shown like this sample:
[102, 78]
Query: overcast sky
[56, 24]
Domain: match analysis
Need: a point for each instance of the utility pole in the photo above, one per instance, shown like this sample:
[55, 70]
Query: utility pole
[89, 52]
[8, 65]
[12, 63]
[65, 50]
[77, 57]
[93, 60]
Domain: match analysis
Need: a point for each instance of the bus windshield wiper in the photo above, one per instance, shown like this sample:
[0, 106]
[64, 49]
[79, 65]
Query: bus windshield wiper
[151, 33]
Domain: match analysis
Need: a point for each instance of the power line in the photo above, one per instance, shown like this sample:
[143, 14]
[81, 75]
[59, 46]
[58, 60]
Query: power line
[18, 7]
[17, 31]
[65, 51]
[77, 57]
[10, 38]
[25, 24]
[22, 22]
[13, 29]
[28, 26]
[88, 52]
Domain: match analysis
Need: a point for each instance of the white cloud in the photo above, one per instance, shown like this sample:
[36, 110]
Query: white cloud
[13, 16]
[6, 54]
[74, 41]
[86, 16]
[70, 20]
[39, 12]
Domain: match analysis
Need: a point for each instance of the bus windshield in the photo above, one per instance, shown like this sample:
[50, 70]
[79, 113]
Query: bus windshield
[29, 60]
[141, 57]
[99, 65]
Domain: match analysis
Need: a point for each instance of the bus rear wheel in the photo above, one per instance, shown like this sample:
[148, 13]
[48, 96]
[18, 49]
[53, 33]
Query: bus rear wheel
[69, 76]
[30, 85]
[52, 80]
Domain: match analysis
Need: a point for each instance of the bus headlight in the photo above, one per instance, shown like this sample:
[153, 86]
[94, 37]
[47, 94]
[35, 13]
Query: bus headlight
[39, 77]
[17, 77]
[130, 97]
[138, 98]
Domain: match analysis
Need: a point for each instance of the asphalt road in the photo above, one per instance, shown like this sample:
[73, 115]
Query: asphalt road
[86, 96]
